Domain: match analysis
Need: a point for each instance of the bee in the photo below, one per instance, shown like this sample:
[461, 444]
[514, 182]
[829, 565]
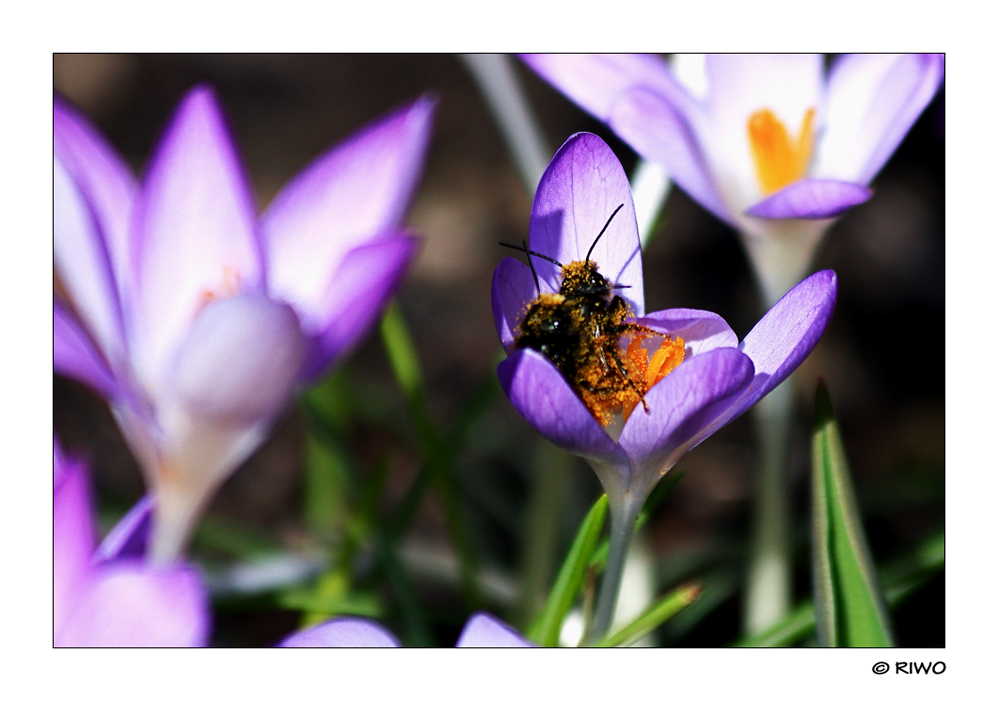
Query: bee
[582, 329]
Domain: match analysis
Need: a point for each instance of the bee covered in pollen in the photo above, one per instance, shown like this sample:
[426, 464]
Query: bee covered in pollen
[583, 329]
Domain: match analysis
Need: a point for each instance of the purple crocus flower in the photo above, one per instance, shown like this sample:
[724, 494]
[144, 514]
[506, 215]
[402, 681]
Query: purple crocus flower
[197, 320]
[771, 144]
[111, 596]
[718, 378]
[481, 631]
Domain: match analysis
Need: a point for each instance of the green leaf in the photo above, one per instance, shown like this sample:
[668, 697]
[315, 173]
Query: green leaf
[546, 628]
[666, 608]
[850, 609]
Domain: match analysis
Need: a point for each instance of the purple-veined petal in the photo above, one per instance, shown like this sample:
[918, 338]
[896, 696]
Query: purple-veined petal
[357, 292]
[355, 193]
[697, 386]
[873, 100]
[83, 266]
[583, 185]
[75, 356]
[130, 603]
[594, 81]
[513, 288]
[485, 631]
[130, 536]
[105, 181]
[343, 632]
[701, 331]
[195, 221]
[73, 538]
[812, 199]
[239, 362]
[778, 344]
[538, 391]
[661, 132]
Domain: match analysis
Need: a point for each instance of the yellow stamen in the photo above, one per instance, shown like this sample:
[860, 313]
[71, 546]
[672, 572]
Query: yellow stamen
[647, 372]
[779, 162]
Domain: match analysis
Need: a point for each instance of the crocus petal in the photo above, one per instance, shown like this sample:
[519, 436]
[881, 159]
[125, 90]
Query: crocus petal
[661, 132]
[357, 292]
[676, 403]
[75, 356]
[485, 631]
[583, 185]
[873, 100]
[343, 632]
[513, 287]
[594, 81]
[195, 223]
[73, 538]
[238, 363]
[538, 391]
[84, 268]
[701, 331]
[106, 182]
[130, 536]
[356, 192]
[812, 199]
[778, 344]
[131, 604]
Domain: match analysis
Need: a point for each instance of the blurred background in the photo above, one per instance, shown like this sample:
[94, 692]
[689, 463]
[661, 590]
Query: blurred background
[264, 536]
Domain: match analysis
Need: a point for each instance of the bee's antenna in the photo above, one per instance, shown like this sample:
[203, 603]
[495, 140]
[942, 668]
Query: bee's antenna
[602, 231]
[530, 262]
[524, 248]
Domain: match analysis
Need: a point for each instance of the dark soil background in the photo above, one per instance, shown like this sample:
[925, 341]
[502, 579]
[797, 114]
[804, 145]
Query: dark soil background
[888, 253]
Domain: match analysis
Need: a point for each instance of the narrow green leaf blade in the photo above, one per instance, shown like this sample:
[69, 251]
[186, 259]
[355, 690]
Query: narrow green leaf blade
[666, 608]
[546, 628]
[849, 606]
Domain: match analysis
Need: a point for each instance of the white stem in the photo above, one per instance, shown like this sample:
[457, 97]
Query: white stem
[650, 186]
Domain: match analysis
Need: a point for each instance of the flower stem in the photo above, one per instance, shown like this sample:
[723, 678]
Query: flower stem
[622, 528]
[768, 587]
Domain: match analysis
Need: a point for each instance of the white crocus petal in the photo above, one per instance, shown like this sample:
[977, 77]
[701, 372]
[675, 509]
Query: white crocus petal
[232, 375]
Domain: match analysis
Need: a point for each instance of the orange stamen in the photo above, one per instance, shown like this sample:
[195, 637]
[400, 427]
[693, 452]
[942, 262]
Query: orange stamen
[231, 281]
[647, 372]
[779, 162]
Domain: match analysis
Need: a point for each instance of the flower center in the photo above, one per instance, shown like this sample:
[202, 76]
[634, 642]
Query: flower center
[230, 286]
[779, 161]
[645, 371]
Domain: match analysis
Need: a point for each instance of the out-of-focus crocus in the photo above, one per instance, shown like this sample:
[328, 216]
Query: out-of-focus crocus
[197, 320]
[111, 596]
[481, 631]
[717, 379]
[771, 144]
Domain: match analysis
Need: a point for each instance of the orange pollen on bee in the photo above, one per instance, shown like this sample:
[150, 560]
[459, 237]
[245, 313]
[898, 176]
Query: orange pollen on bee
[230, 286]
[779, 161]
[645, 371]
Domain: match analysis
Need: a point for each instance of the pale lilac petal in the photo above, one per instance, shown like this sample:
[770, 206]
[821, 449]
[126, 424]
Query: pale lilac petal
[594, 81]
[343, 632]
[132, 604]
[83, 266]
[538, 391]
[581, 188]
[239, 361]
[367, 278]
[701, 331]
[195, 219]
[73, 538]
[106, 182]
[873, 100]
[676, 404]
[75, 356]
[355, 193]
[130, 536]
[661, 132]
[812, 199]
[485, 631]
[513, 288]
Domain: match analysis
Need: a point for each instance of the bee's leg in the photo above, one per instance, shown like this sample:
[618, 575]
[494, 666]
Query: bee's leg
[620, 365]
